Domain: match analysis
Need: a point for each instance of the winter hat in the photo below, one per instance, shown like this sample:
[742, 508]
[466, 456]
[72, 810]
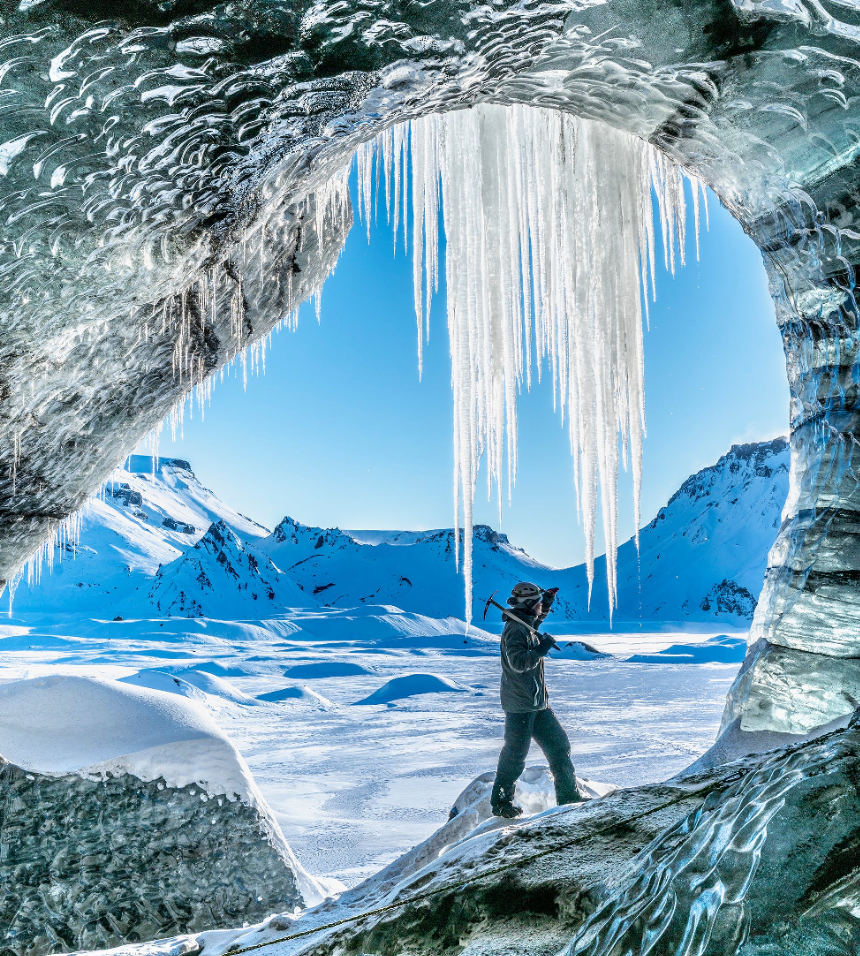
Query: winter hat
[524, 594]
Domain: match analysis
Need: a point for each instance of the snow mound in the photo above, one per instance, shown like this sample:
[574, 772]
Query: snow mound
[192, 682]
[327, 669]
[576, 650]
[166, 683]
[411, 685]
[63, 724]
[214, 685]
[720, 649]
[302, 693]
[222, 670]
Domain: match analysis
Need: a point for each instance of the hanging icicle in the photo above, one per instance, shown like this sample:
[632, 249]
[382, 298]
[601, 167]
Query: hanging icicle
[549, 231]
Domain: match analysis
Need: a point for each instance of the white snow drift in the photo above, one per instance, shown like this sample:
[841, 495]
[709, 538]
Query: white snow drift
[68, 724]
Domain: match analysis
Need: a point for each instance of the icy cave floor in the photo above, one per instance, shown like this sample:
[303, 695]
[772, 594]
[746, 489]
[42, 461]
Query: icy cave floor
[354, 786]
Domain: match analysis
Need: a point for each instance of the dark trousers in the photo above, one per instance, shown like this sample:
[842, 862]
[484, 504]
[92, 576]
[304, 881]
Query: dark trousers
[543, 727]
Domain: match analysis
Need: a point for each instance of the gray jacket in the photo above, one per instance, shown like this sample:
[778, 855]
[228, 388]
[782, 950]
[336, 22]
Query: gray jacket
[523, 688]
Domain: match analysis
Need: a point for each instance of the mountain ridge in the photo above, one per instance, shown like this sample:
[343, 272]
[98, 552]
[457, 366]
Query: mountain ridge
[159, 542]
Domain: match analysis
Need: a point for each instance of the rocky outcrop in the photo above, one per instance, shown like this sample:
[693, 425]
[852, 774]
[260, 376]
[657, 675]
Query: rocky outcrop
[734, 860]
[89, 863]
[222, 576]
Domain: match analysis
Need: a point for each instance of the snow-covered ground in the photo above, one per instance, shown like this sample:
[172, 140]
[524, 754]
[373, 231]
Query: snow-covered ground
[328, 659]
[354, 785]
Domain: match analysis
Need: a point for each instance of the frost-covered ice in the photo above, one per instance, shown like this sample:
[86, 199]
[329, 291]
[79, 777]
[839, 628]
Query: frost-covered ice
[74, 722]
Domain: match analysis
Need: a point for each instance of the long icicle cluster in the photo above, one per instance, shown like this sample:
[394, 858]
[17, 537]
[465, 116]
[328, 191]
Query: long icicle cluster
[549, 226]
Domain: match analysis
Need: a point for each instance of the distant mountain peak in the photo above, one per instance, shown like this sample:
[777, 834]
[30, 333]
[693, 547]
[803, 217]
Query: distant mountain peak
[147, 464]
[740, 463]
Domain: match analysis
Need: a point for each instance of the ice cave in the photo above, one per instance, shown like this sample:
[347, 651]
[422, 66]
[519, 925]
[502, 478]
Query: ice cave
[171, 181]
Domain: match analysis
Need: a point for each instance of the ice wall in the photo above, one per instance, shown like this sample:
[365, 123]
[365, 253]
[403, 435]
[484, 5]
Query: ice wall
[90, 864]
[153, 178]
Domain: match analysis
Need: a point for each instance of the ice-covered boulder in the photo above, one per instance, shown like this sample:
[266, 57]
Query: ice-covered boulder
[733, 861]
[126, 814]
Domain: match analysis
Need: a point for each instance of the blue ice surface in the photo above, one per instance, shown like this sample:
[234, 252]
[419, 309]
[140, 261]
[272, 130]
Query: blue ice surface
[721, 649]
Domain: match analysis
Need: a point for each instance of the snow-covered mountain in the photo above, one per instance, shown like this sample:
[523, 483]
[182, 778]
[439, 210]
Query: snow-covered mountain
[149, 514]
[159, 544]
[415, 571]
[704, 555]
[223, 577]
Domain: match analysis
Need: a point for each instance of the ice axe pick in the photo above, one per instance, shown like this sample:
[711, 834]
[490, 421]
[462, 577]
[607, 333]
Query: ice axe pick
[513, 617]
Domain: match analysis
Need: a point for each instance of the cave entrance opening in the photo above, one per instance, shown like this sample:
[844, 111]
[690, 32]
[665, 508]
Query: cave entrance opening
[696, 357]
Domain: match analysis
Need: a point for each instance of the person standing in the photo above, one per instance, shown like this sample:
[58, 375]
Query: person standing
[525, 702]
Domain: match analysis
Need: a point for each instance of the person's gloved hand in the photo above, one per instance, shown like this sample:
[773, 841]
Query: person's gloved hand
[546, 645]
[549, 597]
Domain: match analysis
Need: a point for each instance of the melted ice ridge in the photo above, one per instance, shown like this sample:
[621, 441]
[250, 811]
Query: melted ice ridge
[549, 229]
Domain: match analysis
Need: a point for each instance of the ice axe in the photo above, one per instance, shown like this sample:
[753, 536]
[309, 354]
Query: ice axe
[506, 612]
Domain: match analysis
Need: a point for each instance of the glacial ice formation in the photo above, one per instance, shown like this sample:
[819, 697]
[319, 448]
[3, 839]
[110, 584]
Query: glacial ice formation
[118, 809]
[167, 199]
[553, 214]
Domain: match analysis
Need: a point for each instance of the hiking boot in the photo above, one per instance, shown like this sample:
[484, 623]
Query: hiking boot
[571, 798]
[507, 809]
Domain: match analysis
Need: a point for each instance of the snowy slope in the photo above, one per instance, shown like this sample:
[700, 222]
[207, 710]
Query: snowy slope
[150, 513]
[702, 558]
[704, 555]
[222, 576]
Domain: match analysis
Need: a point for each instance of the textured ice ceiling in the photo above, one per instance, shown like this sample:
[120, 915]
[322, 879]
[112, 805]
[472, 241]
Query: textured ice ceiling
[161, 177]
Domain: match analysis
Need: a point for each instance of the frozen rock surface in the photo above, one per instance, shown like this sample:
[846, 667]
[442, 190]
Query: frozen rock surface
[129, 816]
[732, 860]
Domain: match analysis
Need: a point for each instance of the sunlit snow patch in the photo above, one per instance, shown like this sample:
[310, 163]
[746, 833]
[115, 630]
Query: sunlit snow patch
[411, 685]
[576, 650]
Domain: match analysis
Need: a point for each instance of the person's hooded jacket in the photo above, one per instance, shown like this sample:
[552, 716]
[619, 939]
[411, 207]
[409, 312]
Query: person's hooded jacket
[523, 689]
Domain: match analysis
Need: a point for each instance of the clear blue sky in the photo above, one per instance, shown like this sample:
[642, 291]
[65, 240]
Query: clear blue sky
[340, 432]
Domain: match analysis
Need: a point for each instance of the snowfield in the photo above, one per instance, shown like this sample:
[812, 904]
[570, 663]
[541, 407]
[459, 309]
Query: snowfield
[325, 676]
[355, 783]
